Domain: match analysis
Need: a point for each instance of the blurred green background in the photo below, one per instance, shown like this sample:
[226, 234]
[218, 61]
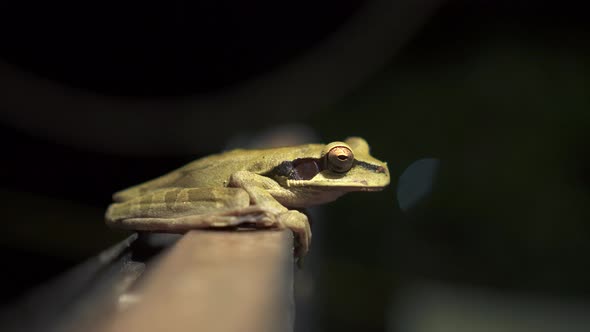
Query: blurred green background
[496, 91]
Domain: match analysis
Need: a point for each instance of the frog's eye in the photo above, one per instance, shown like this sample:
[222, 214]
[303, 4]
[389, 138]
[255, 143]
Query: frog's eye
[340, 159]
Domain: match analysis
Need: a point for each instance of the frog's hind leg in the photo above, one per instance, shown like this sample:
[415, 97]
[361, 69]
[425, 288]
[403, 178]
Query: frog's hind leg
[177, 210]
[251, 217]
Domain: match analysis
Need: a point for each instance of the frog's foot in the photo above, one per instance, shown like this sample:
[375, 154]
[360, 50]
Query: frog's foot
[256, 217]
[249, 217]
[299, 224]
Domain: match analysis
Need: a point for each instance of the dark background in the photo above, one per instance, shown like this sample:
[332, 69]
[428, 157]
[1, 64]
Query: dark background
[495, 90]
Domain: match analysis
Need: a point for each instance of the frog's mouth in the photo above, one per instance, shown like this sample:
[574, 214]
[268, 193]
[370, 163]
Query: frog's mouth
[335, 185]
[355, 180]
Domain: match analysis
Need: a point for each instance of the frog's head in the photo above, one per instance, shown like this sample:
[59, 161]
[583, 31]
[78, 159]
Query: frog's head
[341, 166]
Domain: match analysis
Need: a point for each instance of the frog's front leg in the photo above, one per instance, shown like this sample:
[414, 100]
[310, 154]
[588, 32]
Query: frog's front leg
[263, 193]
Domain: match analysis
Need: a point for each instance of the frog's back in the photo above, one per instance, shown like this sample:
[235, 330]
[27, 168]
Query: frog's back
[210, 171]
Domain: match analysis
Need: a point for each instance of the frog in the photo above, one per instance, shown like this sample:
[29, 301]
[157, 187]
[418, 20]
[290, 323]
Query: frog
[250, 188]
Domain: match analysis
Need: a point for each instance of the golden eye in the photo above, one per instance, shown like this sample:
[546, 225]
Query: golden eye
[340, 159]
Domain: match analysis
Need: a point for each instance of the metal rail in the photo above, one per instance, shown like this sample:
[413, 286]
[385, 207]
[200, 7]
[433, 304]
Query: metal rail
[205, 281]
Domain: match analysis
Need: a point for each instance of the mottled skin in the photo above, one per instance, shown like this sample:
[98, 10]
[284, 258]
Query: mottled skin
[253, 188]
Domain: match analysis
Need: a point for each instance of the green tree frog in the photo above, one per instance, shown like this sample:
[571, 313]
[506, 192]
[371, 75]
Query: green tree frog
[265, 188]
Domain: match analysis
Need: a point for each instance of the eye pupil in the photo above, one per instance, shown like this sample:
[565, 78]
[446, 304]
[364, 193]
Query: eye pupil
[340, 159]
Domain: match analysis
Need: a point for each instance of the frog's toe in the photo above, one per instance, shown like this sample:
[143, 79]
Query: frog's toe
[267, 220]
[257, 217]
[299, 224]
